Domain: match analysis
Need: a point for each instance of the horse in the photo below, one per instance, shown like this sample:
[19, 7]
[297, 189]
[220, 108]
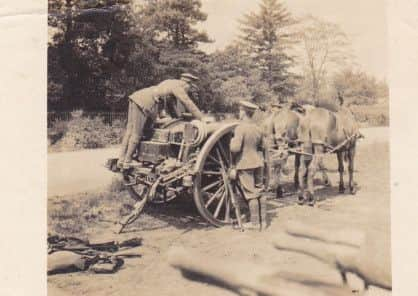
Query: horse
[323, 130]
[282, 133]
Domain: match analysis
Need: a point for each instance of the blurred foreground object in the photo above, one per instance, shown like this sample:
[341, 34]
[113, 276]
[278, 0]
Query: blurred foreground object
[365, 254]
[247, 279]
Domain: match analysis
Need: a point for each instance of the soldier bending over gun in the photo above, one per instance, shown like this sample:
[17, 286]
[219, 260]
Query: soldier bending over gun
[143, 106]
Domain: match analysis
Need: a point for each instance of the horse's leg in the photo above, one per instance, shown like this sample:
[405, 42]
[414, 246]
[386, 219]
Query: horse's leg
[279, 188]
[340, 158]
[318, 152]
[302, 171]
[323, 170]
[296, 177]
[351, 153]
[305, 176]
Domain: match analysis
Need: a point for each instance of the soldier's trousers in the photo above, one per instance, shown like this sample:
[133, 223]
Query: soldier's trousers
[133, 133]
[251, 181]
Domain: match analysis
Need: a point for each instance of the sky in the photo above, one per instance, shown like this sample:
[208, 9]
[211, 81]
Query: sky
[364, 21]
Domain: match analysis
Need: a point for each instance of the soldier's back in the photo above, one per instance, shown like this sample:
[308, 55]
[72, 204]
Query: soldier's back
[250, 130]
[167, 87]
[251, 155]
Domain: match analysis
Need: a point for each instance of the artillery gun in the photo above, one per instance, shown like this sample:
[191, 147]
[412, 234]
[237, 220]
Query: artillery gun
[185, 156]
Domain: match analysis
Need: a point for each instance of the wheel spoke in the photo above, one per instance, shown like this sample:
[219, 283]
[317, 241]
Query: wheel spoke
[212, 196]
[220, 159]
[211, 173]
[223, 153]
[218, 208]
[210, 186]
[227, 208]
[214, 159]
[221, 189]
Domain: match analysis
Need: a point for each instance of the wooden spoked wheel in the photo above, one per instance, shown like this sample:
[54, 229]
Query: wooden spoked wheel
[212, 184]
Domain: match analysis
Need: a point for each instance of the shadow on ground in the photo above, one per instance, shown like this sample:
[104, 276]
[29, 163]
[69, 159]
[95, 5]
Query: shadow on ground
[181, 213]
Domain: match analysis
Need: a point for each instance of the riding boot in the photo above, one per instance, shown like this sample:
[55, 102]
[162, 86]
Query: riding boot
[263, 212]
[279, 192]
[254, 223]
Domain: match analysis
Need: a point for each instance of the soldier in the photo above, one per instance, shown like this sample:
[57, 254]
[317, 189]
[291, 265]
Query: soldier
[143, 107]
[247, 145]
[270, 141]
[269, 122]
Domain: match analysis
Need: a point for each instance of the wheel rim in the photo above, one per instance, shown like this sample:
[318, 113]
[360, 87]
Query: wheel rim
[212, 186]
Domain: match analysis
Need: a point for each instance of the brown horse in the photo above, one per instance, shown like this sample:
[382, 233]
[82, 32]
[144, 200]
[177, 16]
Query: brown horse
[282, 132]
[322, 130]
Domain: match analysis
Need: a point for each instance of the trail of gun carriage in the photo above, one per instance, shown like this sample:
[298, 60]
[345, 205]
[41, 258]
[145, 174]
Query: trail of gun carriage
[236, 182]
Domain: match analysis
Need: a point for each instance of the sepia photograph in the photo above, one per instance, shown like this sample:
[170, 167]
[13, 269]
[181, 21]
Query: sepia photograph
[218, 147]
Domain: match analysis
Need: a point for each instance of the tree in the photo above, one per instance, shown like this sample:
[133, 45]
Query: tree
[174, 20]
[98, 54]
[173, 25]
[233, 77]
[266, 37]
[325, 48]
[359, 87]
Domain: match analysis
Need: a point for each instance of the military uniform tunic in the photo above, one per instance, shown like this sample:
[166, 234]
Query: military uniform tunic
[148, 98]
[143, 107]
[248, 143]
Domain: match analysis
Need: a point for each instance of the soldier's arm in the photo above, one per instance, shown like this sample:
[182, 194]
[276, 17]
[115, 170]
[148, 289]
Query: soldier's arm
[236, 141]
[181, 95]
[173, 108]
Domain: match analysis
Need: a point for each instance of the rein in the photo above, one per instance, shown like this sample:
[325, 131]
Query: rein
[331, 149]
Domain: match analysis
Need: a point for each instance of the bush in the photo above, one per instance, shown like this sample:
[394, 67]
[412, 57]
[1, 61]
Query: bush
[57, 131]
[371, 115]
[360, 100]
[88, 133]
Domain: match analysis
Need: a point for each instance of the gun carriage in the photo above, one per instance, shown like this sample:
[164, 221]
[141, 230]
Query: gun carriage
[184, 156]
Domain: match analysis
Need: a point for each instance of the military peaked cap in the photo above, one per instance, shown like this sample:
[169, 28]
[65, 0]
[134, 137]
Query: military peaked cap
[189, 76]
[248, 105]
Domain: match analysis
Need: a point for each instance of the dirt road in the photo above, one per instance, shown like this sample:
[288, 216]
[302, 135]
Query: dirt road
[81, 171]
[178, 224]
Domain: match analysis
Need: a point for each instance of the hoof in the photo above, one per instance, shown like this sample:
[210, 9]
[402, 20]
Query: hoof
[341, 189]
[301, 199]
[310, 198]
[327, 183]
[279, 192]
[353, 190]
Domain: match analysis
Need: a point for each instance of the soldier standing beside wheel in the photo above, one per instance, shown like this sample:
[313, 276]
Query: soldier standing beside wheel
[143, 107]
[247, 145]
